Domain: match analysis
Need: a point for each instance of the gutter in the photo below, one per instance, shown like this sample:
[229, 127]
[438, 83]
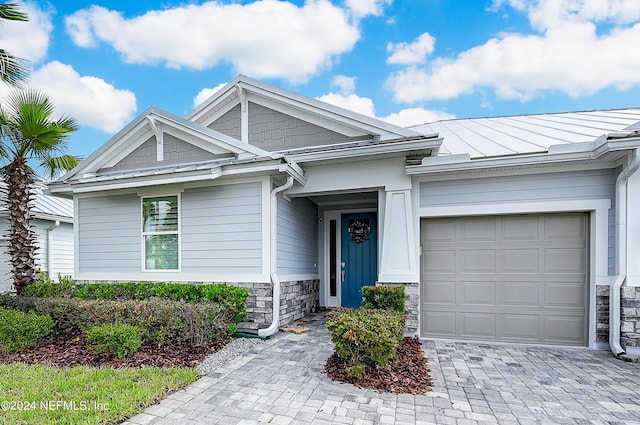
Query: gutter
[50, 229]
[275, 282]
[621, 253]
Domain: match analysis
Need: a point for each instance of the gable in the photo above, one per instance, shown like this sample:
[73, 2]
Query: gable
[274, 131]
[175, 151]
[229, 123]
[273, 119]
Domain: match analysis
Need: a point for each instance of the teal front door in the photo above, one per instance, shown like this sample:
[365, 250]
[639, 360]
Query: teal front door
[359, 258]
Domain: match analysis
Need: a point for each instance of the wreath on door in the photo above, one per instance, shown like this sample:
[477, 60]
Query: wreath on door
[359, 229]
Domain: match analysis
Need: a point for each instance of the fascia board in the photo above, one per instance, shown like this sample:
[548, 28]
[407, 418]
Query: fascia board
[295, 171]
[429, 168]
[135, 182]
[239, 169]
[52, 217]
[368, 150]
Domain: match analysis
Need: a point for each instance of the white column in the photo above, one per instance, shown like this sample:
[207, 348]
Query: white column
[398, 260]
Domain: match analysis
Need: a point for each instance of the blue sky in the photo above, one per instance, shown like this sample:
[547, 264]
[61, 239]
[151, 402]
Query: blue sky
[405, 61]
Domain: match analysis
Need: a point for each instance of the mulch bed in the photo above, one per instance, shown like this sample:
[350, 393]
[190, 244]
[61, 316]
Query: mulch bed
[407, 374]
[74, 350]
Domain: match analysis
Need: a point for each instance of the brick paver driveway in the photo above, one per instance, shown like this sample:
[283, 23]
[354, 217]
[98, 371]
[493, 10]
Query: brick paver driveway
[282, 382]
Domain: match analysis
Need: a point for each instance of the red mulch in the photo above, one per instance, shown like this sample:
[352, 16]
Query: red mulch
[407, 374]
[69, 351]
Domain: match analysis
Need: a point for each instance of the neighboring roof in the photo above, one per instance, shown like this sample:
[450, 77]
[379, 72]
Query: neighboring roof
[526, 134]
[46, 206]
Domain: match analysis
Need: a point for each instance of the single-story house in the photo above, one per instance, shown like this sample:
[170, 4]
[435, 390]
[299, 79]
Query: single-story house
[513, 229]
[52, 221]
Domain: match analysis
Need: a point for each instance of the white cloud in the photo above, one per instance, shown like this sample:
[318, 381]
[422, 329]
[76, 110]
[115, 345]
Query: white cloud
[362, 8]
[365, 106]
[352, 102]
[29, 39]
[411, 53]
[570, 54]
[414, 116]
[345, 85]
[206, 93]
[263, 39]
[90, 100]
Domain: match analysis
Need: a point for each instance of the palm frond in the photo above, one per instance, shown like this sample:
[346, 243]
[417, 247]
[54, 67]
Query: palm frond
[12, 12]
[54, 165]
[13, 70]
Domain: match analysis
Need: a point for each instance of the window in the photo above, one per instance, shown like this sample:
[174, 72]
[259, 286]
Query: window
[160, 233]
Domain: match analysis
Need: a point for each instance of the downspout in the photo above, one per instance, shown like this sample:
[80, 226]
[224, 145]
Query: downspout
[275, 282]
[50, 229]
[621, 253]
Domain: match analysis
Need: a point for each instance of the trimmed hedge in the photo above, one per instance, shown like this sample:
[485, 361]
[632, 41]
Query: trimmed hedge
[164, 322]
[365, 337]
[116, 338]
[19, 330]
[383, 297]
[231, 297]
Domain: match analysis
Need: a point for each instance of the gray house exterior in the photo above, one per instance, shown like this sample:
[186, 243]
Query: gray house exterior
[53, 225]
[510, 229]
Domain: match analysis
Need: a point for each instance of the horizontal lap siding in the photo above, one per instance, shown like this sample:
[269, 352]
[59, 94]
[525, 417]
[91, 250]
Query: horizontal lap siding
[109, 234]
[297, 236]
[221, 229]
[62, 250]
[586, 184]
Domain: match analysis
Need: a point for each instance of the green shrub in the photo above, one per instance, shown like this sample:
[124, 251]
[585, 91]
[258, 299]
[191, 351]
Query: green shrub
[164, 322]
[231, 297]
[365, 337]
[115, 338]
[383, 297]
[20, 330]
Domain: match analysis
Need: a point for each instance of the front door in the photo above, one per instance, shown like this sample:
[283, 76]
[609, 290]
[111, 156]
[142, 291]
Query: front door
[359, 261]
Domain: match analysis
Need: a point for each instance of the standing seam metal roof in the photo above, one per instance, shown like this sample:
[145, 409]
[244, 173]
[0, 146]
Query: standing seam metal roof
[522, 134]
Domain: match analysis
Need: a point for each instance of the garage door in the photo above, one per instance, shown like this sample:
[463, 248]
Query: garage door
[520, 278]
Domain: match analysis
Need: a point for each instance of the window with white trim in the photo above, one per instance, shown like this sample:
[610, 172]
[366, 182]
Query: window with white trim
[161, 233]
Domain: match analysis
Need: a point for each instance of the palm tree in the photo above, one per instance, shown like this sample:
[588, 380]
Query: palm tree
[12, 69]
[29, 134]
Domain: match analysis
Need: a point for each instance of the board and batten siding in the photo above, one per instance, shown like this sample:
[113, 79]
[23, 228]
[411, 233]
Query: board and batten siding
[109, 238]
[221, 229]
[297, 237]
[560, 186]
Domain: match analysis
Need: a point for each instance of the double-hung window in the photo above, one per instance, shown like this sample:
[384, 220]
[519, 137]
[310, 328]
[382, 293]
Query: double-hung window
[161, 232]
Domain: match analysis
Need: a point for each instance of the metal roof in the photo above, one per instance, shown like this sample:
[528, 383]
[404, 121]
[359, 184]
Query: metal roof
[525, 134]
[45, 206]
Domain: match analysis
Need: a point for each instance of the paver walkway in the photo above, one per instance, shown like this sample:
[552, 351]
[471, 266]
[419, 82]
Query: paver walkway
[282, 382]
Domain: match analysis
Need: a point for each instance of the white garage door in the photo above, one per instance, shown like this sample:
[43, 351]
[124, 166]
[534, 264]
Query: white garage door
[520, 278]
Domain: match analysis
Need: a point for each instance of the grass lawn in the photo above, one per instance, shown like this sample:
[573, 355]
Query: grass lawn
[83, 395]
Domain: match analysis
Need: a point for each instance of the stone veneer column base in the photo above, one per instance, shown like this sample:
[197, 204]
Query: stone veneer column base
[630, 319]
[602, 315]
[411, 306]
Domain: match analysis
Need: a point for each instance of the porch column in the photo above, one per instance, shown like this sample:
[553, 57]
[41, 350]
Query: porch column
[398, 261]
